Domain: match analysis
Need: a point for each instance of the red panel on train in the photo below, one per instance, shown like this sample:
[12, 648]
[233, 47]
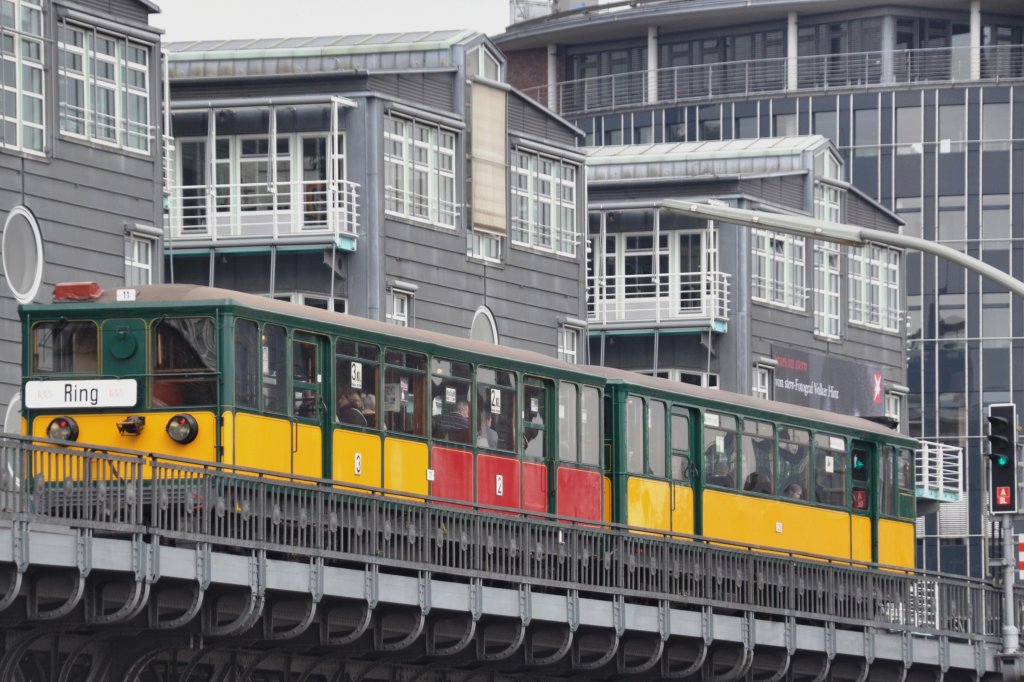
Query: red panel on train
[497, 481]
[453, 474]
[579, 493]
[535, 487]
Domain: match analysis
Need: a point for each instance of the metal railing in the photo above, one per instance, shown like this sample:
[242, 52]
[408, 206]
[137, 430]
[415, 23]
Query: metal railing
[782, 74]
[246, 210]
[126, 493]
[658, 298]
[940, 471]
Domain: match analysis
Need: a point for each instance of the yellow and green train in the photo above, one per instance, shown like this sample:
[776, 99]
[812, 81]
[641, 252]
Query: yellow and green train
[221, 376]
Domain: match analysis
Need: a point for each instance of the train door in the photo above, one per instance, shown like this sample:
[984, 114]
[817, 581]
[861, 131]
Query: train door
[538, 488]
[863, 502]
[682, 472]
[311, 428]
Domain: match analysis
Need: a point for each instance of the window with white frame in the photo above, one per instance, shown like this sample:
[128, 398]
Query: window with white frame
[778, 269]
[893, 405]
[398, 304]
[875, 287]
[485, 246]
[543, 202]
[482, 62]
[568, 343]
[138, 260]
[828, 202]
[337, 305]
[419, 171]
[103, 87]
[21, 35]
[827, 282]
[761, 387]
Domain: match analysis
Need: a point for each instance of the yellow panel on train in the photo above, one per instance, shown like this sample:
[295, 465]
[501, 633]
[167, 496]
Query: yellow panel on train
[357, 458]
[896, 543]
[682, 512]
[405, 466]
[861, 538]
[768, 522]
[262, 442]
[308, 458]
[648, 504]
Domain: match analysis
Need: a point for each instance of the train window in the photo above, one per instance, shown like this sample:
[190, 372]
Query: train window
[794, 452]
[306, 394]
[681, 469]
[635, 434]
[720, 450]
[275, 388]
[405, 392]
[496, 393]
[450, 386]
[829, 469]
[861, 462]
[567, 437]
[64, 348]
[247, 335]
[535, 411]
[656, 438]
[758, 456]
[356, 372]
[184, 361]
[887, 481]
[590, 425]
[905, 478]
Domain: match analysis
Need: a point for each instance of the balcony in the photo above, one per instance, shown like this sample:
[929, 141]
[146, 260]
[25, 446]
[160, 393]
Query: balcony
[299, 211]
[702, 82]
[940, 472]
[685, 299]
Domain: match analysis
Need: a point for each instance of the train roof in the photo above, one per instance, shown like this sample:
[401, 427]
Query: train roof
[191, 293]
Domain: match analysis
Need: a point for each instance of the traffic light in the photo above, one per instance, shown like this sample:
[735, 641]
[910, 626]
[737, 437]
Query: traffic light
[1002, 438]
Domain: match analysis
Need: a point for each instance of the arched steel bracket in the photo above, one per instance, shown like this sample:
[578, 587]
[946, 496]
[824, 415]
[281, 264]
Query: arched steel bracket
[692, 669]
[469, 630]
[182, 617]
[609, 653]
[272, 633]
[826, 668]
[556, 655]
[13, 588]
[513, 646]
[19, 552]
[783, 670]
[652, 660]
[252, 610]
[69, 662]
[419, 619]
[132, 606]
[12, 657]
[331, 638]
[73, 599]
[138, 666]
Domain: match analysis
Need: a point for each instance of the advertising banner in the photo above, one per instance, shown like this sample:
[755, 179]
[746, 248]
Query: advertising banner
[828, 383]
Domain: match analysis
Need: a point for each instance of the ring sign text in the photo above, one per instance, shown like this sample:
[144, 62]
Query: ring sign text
[49, 395]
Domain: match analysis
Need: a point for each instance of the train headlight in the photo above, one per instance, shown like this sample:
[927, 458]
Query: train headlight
[182, 428]
[62, 428]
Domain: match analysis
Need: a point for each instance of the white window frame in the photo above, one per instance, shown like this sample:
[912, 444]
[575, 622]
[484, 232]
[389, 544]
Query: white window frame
[874, 298]
[827, 289]
[485, 246]
[761, 385]
[416, 151]
[543, 202]
[778, 269]
[893, 405]
[707, 379]
[568, 343]
[139, 251]
[337, 304]
[127, 62]
[24, 53]
[399, 307]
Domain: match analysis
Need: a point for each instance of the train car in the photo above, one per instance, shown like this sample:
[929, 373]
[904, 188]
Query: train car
[220, 376]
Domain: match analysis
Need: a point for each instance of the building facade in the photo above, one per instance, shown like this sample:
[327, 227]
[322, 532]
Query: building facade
[923, 103]
[396, 177]
[81, 153]
[719, 305]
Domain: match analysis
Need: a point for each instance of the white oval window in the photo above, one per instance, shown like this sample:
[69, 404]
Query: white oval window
[12, 420]
[22, 248]
[483, 328]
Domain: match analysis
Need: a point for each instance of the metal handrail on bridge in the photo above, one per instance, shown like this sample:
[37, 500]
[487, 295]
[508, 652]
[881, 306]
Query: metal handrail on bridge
[125, 493]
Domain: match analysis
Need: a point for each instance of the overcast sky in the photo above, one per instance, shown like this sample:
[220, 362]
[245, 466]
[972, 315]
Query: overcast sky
[211, 19]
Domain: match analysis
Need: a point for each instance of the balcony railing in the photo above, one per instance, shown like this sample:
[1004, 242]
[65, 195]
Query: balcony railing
[258, 210]
[767, 76]
[651, 299]
[940, 471]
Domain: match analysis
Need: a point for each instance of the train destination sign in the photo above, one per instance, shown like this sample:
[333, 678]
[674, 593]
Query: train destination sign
[61, 394]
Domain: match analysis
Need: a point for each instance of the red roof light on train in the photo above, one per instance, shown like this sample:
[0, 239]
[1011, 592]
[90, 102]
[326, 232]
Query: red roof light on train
[77, 291]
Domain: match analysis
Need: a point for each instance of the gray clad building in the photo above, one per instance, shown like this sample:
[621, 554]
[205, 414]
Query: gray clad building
[81, 155]
[394, 176]
[923, 102]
